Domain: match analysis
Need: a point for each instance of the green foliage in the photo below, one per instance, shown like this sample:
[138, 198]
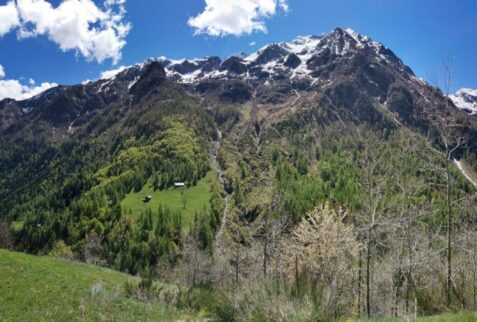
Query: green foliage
[203, 231]
[340, 179]
[216, 203]
[135, 250]
[299, 192]
[60, 249]
[90, 193]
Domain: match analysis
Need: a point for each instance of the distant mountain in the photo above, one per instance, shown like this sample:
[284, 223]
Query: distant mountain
[466, 100]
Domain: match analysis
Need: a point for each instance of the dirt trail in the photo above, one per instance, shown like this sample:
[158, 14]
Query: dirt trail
[470, 176]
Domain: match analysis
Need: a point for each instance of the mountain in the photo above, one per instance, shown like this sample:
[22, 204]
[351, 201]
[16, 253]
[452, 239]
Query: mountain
[295, 60]
[328, 64]
[332, 131]
[466, 99]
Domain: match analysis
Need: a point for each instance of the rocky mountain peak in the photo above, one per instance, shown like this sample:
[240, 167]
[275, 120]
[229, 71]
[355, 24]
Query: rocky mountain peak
[466, 100]
[297, 59]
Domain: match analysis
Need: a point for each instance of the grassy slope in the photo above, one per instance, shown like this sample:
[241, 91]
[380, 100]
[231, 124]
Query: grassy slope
[197, 198]
[47, 289]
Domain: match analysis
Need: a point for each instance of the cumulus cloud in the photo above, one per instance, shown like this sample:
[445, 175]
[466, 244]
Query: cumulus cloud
[12, 88]
[97, 33]
[232, 17]
[8, 18]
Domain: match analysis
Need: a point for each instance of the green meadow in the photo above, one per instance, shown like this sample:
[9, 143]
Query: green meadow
[186, 200]
[36, 288]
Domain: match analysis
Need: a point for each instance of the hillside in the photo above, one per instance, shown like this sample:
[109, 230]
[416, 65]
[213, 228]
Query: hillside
[46, 288]
[49, 289]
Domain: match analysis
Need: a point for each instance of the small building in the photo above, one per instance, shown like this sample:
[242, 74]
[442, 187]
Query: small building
[147, 198]
[179, 185]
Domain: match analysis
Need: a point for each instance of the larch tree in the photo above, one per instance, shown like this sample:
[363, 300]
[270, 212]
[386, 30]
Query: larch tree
[322, 249]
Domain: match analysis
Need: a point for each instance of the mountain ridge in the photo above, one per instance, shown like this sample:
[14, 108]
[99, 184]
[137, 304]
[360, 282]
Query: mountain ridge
[304, 63]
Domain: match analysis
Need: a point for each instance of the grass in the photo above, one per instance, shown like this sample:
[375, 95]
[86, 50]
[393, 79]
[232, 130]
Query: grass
[36, 288]
[196, 198]
[457, 317]
[450, 317]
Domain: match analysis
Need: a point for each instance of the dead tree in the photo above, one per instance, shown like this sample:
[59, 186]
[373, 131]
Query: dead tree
[6, 235]
[373, 177]
[410, 210]
[450, 138]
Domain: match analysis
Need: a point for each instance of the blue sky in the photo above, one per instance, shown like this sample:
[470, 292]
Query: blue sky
[423, 33]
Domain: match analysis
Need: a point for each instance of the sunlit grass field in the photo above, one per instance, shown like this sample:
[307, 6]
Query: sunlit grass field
[36, 288]
[194, 198]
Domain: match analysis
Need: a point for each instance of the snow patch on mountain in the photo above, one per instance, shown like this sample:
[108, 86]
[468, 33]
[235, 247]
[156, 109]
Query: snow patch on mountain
[286, 59]
[299, 59]
[465, 99]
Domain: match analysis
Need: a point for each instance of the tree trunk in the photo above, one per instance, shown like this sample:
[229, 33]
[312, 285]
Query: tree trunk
[409, 267]
[474, 290]
[449, 233]
[398, 282]
[194, 272]
[474, 286]
[265, 248]
[368, 276]
[297, 284]
[265, 258]
[236, 267]
[360, 280]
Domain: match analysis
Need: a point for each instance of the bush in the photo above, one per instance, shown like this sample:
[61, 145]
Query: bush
[60, 249]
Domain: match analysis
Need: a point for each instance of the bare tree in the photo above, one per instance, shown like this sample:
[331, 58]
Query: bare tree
[92, 252]
[6, 235]
[373, 180]
[451, 139]
[410, 210]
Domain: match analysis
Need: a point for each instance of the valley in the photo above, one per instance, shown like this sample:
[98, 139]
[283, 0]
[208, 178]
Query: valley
[315, 179]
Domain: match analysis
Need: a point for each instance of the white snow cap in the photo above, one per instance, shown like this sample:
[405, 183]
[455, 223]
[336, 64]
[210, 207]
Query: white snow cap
[466, 99]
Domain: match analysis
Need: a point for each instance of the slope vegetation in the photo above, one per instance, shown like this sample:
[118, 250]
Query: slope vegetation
[48, 289]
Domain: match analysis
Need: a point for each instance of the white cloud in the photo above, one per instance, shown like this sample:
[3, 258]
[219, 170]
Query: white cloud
[111, 73]
[8, 18]
[232, 17]
[253, 43]
[12, 88]
[97, 33]
[284, 5]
